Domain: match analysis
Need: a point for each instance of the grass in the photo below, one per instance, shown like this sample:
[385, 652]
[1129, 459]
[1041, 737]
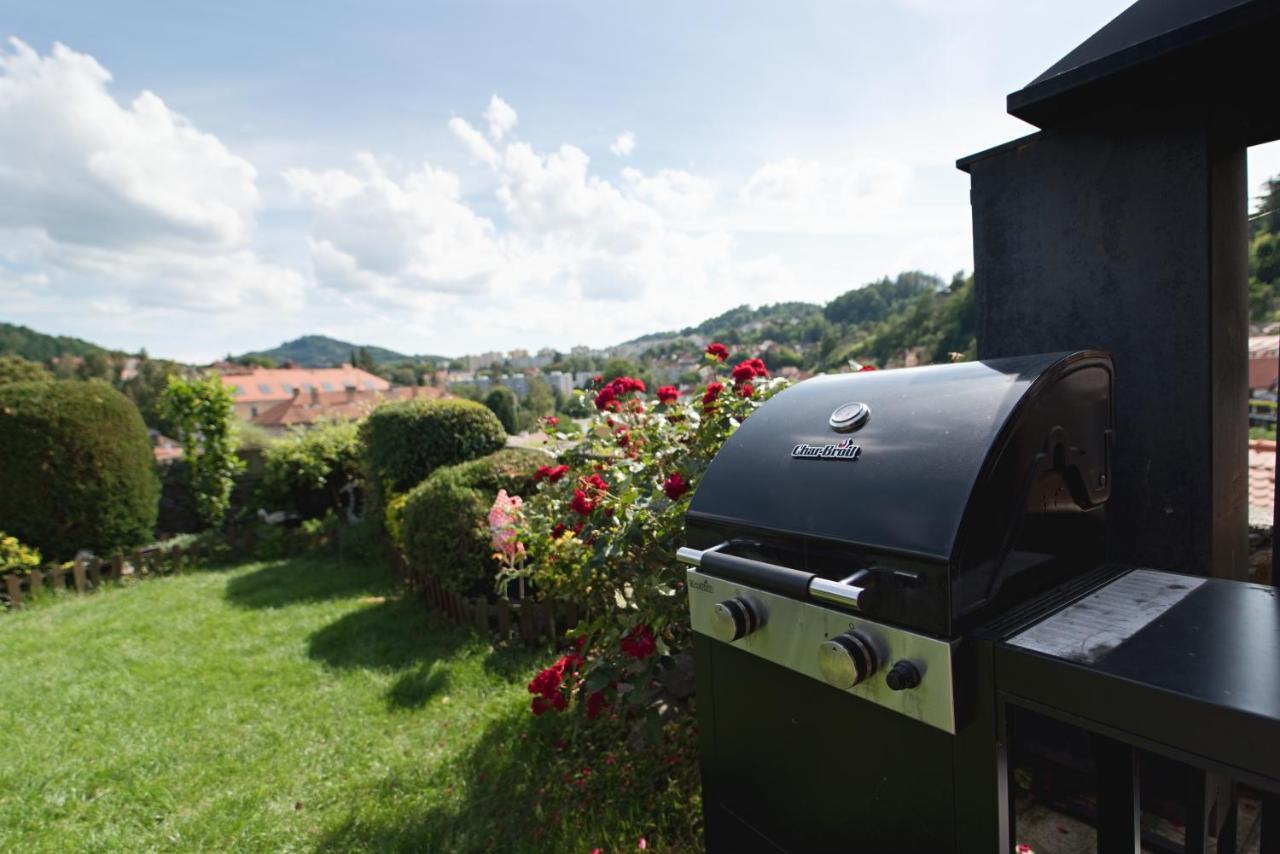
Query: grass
[295, 705]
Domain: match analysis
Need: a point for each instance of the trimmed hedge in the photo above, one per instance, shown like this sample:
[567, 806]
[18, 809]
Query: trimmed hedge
[446, 517]
[308, 469]
[78, 471]
[406, 441]
[502, 403]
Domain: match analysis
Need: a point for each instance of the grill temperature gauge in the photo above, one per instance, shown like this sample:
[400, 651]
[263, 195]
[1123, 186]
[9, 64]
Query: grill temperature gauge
[736, 618]
[847, 659]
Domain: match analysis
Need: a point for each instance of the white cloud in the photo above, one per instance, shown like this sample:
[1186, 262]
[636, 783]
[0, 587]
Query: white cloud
[500, 116]
[395, 237]
[624, 144]
[795, 195]
[134, 198]
[475, 142]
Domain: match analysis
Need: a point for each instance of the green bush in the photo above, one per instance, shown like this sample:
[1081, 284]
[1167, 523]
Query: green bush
[404, 442]
[502, 402]
[446, 517]
[307, 469]
[77, 468]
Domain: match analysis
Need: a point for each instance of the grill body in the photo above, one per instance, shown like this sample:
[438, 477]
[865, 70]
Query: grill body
[844, 545]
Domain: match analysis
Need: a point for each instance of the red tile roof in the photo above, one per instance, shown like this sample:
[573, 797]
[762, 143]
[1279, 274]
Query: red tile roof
[273, 384]
[348, 405]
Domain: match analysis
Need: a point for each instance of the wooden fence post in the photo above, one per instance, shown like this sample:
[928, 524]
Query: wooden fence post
[77, 572]
[504, 619]
[35, 582]
[117, 567]
[56, 578]
[13, 587]
[95, 572]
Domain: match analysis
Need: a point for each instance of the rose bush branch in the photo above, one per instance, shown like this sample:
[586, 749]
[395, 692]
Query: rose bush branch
[603, 528]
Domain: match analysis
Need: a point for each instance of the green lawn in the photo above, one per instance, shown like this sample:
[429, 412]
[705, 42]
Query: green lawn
[297, 705]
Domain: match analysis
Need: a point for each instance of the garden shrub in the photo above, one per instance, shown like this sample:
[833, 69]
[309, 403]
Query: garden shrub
[602, 529]
[202, 411]
[404, 442]
[502, 402]
[16, 558]
[445, 518]
[307, 470]
[77, 468]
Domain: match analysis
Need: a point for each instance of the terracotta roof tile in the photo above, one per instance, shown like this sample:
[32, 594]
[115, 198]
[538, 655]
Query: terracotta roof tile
[272, 384]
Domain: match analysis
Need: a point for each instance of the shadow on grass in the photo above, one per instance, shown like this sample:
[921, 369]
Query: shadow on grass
[308, 579]
[521, 787]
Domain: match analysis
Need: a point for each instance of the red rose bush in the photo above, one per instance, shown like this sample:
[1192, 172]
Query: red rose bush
[602, 530]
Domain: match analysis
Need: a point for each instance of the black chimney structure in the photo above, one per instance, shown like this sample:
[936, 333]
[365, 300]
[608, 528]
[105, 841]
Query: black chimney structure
[1122, 225]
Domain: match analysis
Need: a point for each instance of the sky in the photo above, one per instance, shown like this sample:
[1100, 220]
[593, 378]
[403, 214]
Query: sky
[448, 178]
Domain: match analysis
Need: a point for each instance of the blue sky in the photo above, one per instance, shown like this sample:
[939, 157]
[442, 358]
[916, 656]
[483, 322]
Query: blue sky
[455, 177]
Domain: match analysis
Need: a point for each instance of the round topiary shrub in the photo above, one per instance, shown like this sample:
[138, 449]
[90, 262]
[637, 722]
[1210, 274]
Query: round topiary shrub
[502, 403]
[404, 442]
[78, 472]
[446, 517]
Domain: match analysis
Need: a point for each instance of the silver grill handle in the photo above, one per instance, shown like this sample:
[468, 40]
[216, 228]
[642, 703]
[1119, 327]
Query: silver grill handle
[780, 579]
[693, 557]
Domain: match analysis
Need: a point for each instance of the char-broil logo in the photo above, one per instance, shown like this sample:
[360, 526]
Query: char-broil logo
[702, 584]
[843, 450]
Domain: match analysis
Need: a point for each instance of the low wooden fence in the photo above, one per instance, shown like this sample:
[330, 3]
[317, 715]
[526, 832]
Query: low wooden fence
[524, 620]
[87, 574]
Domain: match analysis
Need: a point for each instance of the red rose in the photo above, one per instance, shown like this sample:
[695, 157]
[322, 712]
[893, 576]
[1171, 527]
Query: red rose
[718, 350]
[712, 392]
[597, 482]
[552, 421]
[675, 486]
[668, 394]
[758, 365]
[595, 704]
[550, 473]
[597, 379]
[558, 530]
[746, 390]
[605, 397]
[639, 642]
[548, 681]
[742, 372]
[866, 368]
[624, 437]
[581, 504]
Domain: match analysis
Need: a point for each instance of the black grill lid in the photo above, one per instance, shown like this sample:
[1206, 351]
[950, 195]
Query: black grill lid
[924, 445]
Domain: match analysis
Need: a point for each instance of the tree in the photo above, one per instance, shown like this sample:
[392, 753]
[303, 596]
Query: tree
[361, 359]
[147, 386]
[502, 402]
[15, 369]
[201, 411]
[540, 400]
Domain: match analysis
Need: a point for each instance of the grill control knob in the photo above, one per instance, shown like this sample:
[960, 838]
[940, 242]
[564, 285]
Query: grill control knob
[847, 659]
[735, 618]
[902, 676]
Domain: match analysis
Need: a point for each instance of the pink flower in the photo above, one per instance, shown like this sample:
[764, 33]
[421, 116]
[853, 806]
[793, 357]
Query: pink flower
[504, 516]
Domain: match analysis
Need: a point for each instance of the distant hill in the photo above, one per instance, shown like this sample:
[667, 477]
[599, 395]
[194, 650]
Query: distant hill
[321, 351]
[38, 347]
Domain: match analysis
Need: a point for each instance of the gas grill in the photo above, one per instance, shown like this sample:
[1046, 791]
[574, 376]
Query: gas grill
[843, 545]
